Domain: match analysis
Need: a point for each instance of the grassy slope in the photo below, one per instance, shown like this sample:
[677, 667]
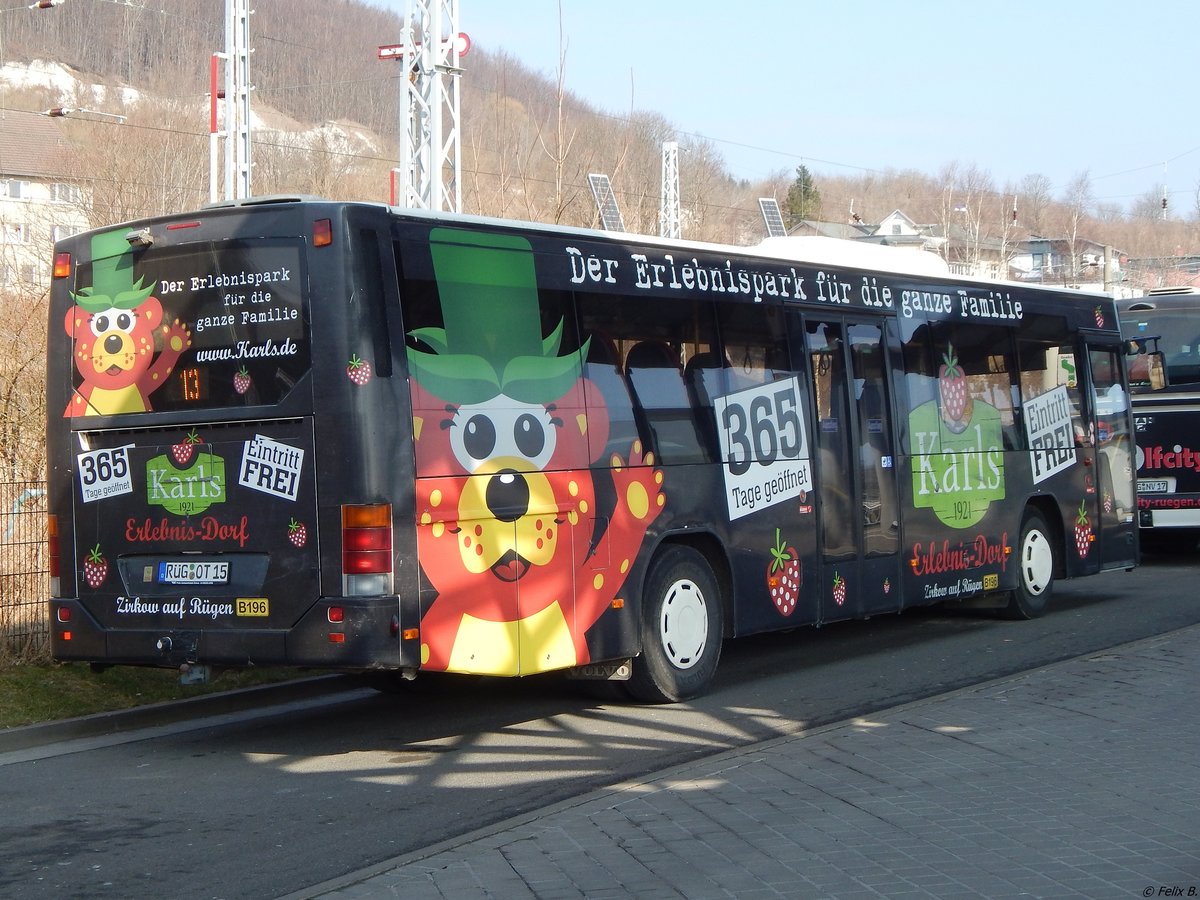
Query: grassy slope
[43, 693]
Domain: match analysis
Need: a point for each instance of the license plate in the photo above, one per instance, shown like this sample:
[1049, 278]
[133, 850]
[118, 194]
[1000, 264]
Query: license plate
[193, 572]
[1145, 486]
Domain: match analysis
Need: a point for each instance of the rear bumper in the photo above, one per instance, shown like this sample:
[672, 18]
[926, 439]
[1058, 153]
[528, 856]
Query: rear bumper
[1165, 517]
[368, 635]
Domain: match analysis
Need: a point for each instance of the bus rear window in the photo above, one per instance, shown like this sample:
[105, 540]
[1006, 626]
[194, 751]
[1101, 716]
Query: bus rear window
[205, 326]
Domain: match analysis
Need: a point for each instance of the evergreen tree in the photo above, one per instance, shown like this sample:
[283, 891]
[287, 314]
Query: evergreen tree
[803, 199]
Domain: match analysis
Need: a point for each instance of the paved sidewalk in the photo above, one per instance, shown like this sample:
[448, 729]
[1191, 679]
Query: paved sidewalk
[1080, 779]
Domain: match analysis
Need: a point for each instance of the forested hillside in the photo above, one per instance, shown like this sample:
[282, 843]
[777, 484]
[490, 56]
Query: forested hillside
[328, 108]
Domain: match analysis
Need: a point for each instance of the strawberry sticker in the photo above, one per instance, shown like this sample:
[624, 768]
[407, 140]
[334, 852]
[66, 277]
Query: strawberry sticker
[839, 589]
[241, 381]
[1108, 502]
[359, 370]
[1099, 314]
[783, 576]
[95, 567]
[1083, 532]
[297, 533]
[952, 387]
[183, 451]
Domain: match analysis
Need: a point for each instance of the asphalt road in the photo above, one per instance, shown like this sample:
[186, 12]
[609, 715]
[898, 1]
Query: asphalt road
[266, 802]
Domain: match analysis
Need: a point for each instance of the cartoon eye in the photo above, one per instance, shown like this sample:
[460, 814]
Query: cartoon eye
[479, 437]
[109, 321]
[529, 436]
[522, 433]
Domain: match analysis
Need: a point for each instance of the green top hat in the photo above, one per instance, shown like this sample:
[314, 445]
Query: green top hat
[492, 342]
[112, 276]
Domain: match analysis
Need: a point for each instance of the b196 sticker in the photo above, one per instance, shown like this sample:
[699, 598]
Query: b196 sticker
[764, 446]
[105, 473]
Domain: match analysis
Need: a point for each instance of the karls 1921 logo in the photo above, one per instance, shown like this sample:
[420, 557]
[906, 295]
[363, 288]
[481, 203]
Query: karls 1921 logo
[185, 481]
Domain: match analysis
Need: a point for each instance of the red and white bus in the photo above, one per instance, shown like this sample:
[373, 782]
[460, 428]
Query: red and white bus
[361, 438]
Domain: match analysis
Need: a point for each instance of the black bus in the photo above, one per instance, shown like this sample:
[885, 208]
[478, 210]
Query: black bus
[355, 437]
[1166, 413]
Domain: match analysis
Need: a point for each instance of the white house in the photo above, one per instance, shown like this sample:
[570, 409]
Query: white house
[40, 200]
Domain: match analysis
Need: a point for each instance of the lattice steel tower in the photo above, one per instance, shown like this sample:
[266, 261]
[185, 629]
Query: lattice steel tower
[430, 157]
[669, 225]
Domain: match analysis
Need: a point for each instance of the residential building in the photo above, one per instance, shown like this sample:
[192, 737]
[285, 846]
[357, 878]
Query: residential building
[39, 200]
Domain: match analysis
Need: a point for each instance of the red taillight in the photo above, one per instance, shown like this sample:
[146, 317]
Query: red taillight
[52, 544]
[335, 614]
[63, 614]
[367, 539]
[62, 265]
[322, 233]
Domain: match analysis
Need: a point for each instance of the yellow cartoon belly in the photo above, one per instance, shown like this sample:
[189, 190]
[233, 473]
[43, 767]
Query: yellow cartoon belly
[538, 643]
[104, 402]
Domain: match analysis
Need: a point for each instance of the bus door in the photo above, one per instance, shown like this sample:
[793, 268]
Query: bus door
[1112, 496]
[856, 492]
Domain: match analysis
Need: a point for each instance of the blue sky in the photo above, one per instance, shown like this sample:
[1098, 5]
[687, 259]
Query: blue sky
[842, 86]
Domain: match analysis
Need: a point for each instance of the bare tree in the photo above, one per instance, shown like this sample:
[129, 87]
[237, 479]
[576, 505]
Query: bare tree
[1077, 200]
[1034, 197]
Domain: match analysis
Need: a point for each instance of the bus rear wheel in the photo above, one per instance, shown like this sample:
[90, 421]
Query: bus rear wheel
[1035, 578]
[682, 629]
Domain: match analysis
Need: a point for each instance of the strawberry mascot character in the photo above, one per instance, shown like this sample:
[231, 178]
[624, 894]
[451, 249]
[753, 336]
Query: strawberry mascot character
[116, 324]
[506, 431]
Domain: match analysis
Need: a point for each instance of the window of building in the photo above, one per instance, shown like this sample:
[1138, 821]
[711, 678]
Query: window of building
[64, 193]
[14, 233]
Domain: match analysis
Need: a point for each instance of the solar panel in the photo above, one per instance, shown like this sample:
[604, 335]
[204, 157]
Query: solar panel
[606, 202]
[772, 216]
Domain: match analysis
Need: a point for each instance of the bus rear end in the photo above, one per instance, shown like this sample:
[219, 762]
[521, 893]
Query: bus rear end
[1166, 414]
[205, 509]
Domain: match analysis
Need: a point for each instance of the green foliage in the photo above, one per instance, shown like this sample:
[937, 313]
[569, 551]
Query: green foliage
[803, 199]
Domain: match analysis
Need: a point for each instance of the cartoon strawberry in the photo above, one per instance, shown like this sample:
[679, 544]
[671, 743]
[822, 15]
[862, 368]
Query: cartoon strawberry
[1099, 313]
[783, 576]
[952, 386]
[95, 567]
[359, 370]
[1083, 532]
[839, 589]
[1108, 502]
[297, 533]
[241, 381]
[182, 452]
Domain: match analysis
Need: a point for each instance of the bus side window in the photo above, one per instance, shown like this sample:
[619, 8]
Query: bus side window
[965, 371]
[653, 404]
[661, 399]
[1046, 366]
[605, 377]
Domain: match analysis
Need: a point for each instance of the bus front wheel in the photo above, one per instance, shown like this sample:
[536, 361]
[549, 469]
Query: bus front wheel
[681, 629]
[1035, 579]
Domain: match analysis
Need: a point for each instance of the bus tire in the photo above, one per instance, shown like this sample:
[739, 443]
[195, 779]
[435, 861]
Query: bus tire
[1035, 569]
[682, 629]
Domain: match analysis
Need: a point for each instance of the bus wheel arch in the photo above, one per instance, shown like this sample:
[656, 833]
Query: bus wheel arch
[683, 622]
[1039, 562]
